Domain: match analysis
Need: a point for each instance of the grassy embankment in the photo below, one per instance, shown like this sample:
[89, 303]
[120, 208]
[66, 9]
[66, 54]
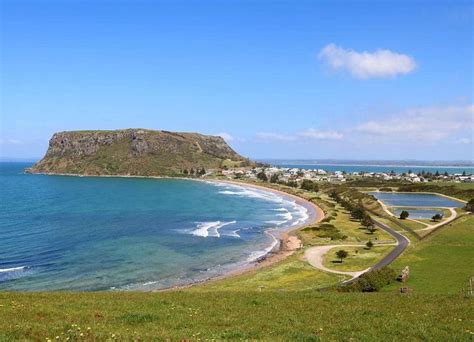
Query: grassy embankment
[281, 302]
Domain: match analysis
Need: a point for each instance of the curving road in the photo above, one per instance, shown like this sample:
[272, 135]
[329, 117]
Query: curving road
[314, 255]
[402, 244]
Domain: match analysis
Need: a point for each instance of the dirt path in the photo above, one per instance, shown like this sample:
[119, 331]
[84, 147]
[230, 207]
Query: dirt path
[314, 256]
[454, 214]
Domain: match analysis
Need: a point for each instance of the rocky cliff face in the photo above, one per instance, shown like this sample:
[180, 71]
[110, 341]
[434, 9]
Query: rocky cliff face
[134, 152]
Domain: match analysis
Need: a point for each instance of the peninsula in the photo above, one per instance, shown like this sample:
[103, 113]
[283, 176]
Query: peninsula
[136, 152]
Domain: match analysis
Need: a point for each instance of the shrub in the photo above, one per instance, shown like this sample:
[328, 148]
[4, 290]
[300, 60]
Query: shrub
[371, 281]
[470, 206]
[309, 185]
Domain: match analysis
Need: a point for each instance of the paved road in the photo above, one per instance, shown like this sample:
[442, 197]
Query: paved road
[402, 244]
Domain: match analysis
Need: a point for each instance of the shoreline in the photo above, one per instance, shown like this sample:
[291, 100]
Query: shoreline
[287, 244]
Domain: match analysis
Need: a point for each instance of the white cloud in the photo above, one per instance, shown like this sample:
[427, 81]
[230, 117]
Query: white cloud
[321, 135]
[268, 136]
[11, 142]
[363, 65]
[310, 133]
[423, 124]
[226, 136]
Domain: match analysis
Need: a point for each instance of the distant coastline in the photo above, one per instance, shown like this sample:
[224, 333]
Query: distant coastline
[372, 163]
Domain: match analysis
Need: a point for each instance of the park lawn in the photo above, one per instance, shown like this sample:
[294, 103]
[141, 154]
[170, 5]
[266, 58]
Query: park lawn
[441, 262]
[413, 224]
[359, 258]
[234, 315]
[290, 274]
[352, 229]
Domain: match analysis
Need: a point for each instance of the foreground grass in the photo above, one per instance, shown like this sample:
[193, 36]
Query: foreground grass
[303, 316]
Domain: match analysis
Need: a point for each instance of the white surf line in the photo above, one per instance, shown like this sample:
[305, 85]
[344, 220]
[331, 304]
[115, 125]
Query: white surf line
[12, 269]
[205, 229]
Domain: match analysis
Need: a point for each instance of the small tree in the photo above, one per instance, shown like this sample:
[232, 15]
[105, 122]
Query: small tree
[274, 178]
[358, 213]
[262, 176]
[367, 221]
[309, 185]
[404, 214]
[369, 244]
[186, 172]
[437, 217]
[371, 229]
[342, 254]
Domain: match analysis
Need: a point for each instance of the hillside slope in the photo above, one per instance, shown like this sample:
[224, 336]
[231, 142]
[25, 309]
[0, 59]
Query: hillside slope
[134, 152]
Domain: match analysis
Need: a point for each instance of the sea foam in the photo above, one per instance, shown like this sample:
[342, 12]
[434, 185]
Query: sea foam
[206, 229]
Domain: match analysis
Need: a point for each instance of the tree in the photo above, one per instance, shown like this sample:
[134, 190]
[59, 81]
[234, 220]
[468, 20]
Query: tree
[437, 217]
[342, 254]
[371, 229]
[262, 176]
[404, 214]
[202, 172]
[470, 206]
[369, 244]
[186, 172]
[274, 178]
[446, 173]
[367, 221]
[358, 213]
[464, 173]
[309, 185]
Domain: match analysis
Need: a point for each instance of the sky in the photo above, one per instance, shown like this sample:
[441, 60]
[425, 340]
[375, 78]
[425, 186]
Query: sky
[389, 80]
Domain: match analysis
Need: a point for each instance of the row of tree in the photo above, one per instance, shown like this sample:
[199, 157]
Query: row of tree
[192, 172]
[357, 211]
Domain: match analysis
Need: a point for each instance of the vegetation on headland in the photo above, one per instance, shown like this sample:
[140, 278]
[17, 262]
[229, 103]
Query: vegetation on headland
[136, 152]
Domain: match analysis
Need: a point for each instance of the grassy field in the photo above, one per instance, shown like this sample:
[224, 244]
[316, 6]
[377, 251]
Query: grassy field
[235, 315]
[442, 262]
[359, 258]
[291, 274]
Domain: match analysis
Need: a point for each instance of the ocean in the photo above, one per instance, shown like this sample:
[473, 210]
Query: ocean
[101, 233]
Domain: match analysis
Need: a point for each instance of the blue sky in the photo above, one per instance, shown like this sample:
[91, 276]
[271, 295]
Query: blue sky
[278, 79]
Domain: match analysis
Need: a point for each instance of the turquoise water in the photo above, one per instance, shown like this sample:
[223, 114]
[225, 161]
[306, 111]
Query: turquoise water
[92, 233]
[418, 213]
[416, 200]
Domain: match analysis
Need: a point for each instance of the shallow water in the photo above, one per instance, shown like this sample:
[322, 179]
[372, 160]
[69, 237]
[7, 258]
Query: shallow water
[93, 233]
[415, 200]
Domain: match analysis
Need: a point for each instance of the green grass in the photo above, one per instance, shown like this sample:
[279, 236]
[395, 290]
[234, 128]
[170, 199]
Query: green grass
[442, 262]
[359, 258]
[291, 274]
[412, 224]
[235, 315]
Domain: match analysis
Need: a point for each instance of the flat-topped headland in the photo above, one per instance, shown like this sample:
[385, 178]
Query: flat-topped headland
[137, 152]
